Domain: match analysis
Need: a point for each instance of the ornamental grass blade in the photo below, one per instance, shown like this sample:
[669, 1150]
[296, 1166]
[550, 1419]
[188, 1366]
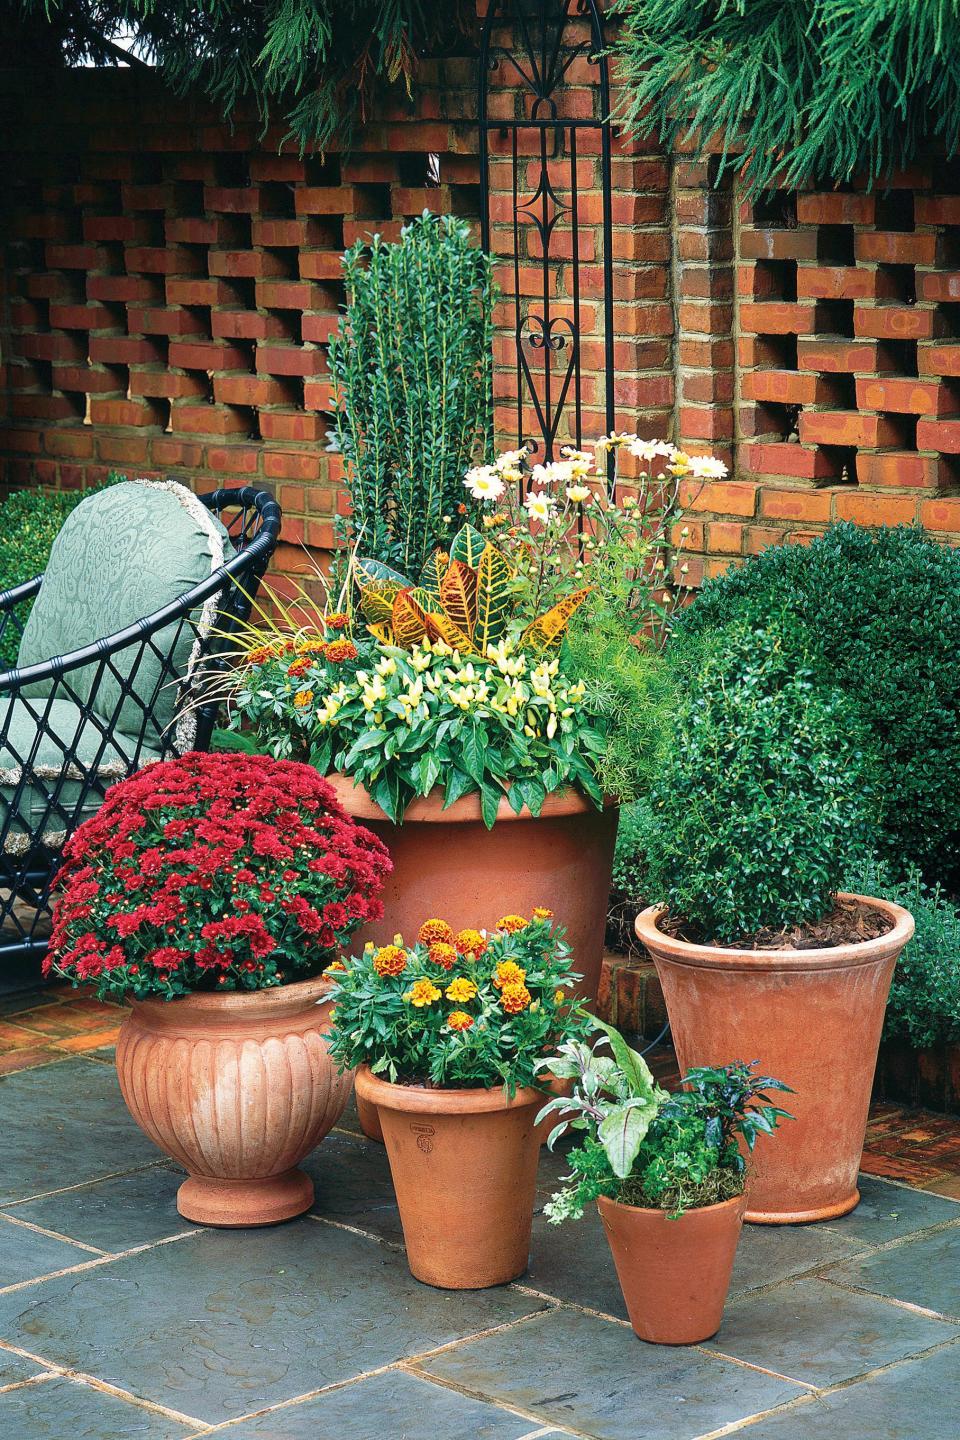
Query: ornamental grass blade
[409, 617]
[468, 545]
[549, 628]
[493, 598]
[458, 595]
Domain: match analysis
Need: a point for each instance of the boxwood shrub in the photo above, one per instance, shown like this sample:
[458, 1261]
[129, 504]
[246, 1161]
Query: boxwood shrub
[879, 616]
[765, 801]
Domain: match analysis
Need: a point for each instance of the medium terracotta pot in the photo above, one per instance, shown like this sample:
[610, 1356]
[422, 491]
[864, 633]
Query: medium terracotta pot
[674, 1274]
[464, 1167]
[813, 1020]
[237, 1088]
[367, 1112]
[447, 863]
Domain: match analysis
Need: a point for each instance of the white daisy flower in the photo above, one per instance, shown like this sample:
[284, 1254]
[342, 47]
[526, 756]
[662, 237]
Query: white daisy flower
[484, 483]
[651, 449]
[578, 493]
[707, 467]
[539, 505]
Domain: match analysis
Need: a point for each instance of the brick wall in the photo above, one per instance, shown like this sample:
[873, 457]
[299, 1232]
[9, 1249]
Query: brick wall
[169, 285]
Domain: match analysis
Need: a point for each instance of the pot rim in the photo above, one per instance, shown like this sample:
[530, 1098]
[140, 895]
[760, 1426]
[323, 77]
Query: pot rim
[419, 1100]
[735, 1201]
[239, 1005]
[716, 957]
[428, 809]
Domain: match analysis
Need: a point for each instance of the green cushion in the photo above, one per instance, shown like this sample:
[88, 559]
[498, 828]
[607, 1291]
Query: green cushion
[122, 554]
[40, 788]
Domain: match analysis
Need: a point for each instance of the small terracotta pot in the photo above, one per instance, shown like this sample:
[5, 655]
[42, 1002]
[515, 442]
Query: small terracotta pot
[674, 1274]
[813, 1020]
[447, 863]
[464, 1167]
[236, 1088]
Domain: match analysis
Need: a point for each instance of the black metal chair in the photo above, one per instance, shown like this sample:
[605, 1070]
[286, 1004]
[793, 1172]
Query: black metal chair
[62, 753]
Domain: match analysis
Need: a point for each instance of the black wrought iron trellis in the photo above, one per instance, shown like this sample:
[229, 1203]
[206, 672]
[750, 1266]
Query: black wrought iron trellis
[541, 40]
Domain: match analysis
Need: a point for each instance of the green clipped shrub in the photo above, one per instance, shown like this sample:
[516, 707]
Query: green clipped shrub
[411, 367]
[764, 804]
[630, 890]
[878, 613]
[924, 1004]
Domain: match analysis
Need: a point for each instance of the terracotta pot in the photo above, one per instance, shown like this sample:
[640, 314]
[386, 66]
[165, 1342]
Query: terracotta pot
[237, 1088]
[367, 1112]
[447, 863]
[464, 1167]
[813, 1019]
[674, 1274]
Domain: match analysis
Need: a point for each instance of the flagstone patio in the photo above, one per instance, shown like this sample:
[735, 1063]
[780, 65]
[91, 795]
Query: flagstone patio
[119, 1319]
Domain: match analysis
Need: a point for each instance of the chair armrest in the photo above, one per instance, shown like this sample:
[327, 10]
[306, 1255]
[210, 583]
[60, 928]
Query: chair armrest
[26, 591]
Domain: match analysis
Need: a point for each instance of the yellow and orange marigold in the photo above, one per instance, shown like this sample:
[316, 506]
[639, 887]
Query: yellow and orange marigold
[422, 992]
[314, 646]
[442, 954]
[260, 655]
[459, 1020]
[390, 960]
[302, 698]
[435, 930]
[461, 989]
[511, 923]
[515, 998]
[540, 912]
[298, 668]
[508, 972]
[470, 943]
[337, 621]
[334, 965]
[339, 650]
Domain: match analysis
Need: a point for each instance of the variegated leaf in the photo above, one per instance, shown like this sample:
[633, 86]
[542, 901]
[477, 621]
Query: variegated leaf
[367, 570]
[441, 627]
[468, 545]
[409, 617]
[383, 633]
[434, 571]
[458, 595]
[376, 600]
[548, 629]
[494, 601]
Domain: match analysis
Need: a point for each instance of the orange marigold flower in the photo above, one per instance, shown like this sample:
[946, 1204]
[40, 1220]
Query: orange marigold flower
[334, 965]
[515, 998]
[390, 960]
[302, 697]
[298, 668]
[260, 655]
[508, 972]
[558, 997]
[459, 1020]
[422, 992]
[314, 646]
[540, 912]
[470, 943]
[337, 621]
[442, 954]
[339, 650]
[432, 930]
[460, 989]
[511, 923]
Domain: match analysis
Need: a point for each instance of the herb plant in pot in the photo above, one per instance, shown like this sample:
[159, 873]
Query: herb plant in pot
[214, 891]
[764, 805]
[446, 1036]
[667, 1173]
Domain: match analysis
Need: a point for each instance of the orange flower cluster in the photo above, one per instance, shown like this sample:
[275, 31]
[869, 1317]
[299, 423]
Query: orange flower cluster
[508, 972]
[515, 998]
[511, 923]
[422, 992]
[442, 954]
[435, 930]
[298, 668]
[470, 943]
[459, 1020]
[390, 960]
[302, 698]
[339, 650]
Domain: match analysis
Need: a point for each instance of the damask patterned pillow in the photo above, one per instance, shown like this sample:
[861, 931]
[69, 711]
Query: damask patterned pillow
[122, 554]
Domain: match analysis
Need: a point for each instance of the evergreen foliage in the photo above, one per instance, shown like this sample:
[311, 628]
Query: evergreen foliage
[316, 62]
[411, 366]
[799, 91]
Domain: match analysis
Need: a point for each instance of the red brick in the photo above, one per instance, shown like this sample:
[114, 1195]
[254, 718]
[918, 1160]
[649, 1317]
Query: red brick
[318, 395]
[836, 208]
[123, 350]
[122, 449]
[116, 227]
[778, 318]
[82, 317]
[784, 387]
[246, 264]
[912, 397]
[292, 295]
[787, 459]
[939, 435]
[319, 328]
[233, 201]
[941, 514]
[166, 384]
[893, 247]
[76, 257]
[723, 497]
[868, 509]
[845, 427]
[937, 209]
[249, 390]
[194, 230]
[900, 471]
[942, 285]
[234, 459]
[836, 356]
[123, 289]
[938, 359]
[293, 425]
[161, 321]
[247, 325]
[122, 412]
[291, 465]
[209, 355]
[893, 322]
[76, 444]
[52, 346]
[320, 265]
[86, 379]
[175, 452]
[843, 282]
[810, 506]
[199, 292]
[334, 200]
[290, 360]
[209, 420]
[725, 537]
[778, 244]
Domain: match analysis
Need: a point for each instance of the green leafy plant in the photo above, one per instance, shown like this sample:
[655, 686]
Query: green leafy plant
[411, 369]
[457, 1009]
[765, 800]
[876, 613]
[799, 91]
[924, 1003]
[644, 1146]
[30, 521]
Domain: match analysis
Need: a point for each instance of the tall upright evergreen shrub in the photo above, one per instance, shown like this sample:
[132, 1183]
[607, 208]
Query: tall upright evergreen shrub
[411, 366]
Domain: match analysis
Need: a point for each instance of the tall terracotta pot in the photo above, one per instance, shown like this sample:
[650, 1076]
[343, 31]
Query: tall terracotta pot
[674, 1274]
[447, 863]
[464, 1168]
[813, 1019]
[237, 1088]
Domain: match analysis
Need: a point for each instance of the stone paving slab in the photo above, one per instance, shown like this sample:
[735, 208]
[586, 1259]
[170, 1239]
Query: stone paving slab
[14, 1369]
[595, 1377]
[60, 1409]
[117, 1214]
[26, 1254]
[889, 1212]
[394, 1406]
[923, 1271]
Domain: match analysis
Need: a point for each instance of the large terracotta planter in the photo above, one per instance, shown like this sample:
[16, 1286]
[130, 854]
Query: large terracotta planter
[813, 1019]
[447, 863]
[237, 1088]
[674, 1274]
[464, 1167]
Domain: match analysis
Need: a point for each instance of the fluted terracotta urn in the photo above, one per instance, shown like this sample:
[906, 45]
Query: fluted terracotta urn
[237, 1088]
